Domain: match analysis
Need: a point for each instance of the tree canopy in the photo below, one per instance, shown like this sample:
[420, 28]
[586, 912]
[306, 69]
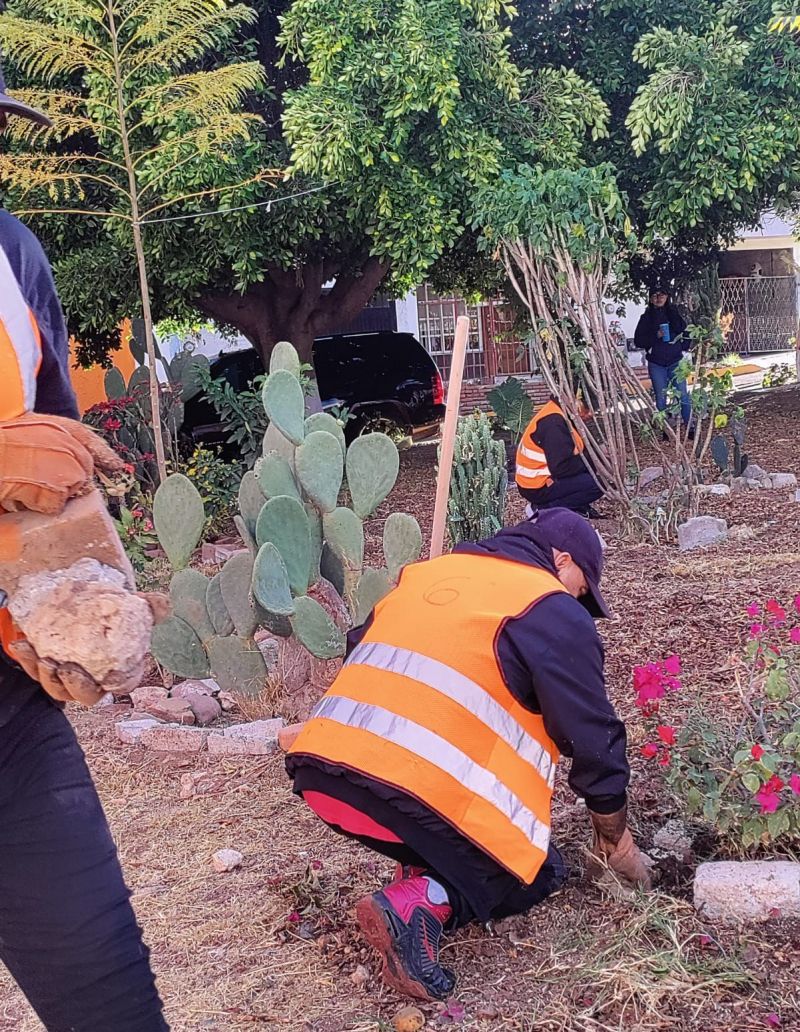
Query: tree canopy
[392, 112]
[704, 115]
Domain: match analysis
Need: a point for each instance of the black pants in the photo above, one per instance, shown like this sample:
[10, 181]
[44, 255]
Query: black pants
[576, 493]
[478, 888]
[68, 934]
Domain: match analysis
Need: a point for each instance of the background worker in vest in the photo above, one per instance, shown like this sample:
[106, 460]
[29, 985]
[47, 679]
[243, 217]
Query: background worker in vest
[552, 468]
[68, 934]
[438, 742]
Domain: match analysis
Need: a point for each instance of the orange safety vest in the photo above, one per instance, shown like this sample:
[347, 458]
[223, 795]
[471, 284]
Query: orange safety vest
[421, 704]
[532, 470]
[20, 346]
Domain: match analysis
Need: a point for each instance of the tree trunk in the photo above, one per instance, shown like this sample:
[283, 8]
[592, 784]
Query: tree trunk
[291, 305]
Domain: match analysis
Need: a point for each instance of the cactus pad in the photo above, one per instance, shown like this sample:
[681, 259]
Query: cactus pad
[344, 534]
[114, 384]
[237, 665]
[320, 467]
[236, 577]
[285, 405]
[179, 518]
[402, 542]
[243, 532]
[251, 501]
[217, 610]
[372, 587]
[284, 523]
[372, 466]
[315, 533]
[285, 357]
[331, 568]
[176, 646]
[275, 477]
[187, 591]
[271, 582]
[325, 421]
[276, 444]
[316, 630]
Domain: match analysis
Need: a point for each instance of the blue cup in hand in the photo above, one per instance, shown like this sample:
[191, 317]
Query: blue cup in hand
[664, 327]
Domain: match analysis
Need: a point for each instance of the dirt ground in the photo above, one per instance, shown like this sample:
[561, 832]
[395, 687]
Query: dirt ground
[274, 945]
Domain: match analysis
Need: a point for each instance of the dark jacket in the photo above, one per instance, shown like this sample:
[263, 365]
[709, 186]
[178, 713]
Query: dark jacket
[54, 393]
[659, 351]
[552, 662]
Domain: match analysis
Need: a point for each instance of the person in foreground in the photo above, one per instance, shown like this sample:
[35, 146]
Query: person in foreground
[552, 470]
[68, 934]
[661, 334]
[437, 743]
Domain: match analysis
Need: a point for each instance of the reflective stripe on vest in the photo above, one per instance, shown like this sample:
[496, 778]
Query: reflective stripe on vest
[20, 346]
[421, 705]
[532, 469]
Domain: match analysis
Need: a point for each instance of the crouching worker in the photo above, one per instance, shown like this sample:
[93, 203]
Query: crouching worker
[438, 742]
[552, 469]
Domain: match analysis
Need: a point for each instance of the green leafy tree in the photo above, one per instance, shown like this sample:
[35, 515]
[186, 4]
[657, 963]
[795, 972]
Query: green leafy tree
[131, 136]
[392, 112]
[710, 99]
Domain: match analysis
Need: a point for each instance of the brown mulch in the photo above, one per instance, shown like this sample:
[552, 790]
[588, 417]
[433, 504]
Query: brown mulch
[273, 945]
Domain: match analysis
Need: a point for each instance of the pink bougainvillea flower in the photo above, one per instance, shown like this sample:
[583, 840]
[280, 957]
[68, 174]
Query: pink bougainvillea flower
[753, 609]
[773, 1020]
[757, 751]
[797, 603]
[666, 734]
[756, 630]
[649, 750]
[768, 801]
[664, 758]
[794, 783]
[672, 665]
[294, 917]
[777, 613]
[794, 636]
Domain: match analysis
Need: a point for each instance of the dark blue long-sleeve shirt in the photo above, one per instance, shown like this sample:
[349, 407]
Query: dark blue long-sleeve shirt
[54, 393]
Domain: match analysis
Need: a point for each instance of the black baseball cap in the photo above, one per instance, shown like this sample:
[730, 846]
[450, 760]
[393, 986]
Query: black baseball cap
[10, 106]
[566, 531]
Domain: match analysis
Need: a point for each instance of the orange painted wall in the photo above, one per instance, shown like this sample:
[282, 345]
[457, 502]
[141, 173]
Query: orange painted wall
[88, 384]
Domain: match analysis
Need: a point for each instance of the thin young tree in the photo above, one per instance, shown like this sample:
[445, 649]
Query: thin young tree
[163, 134]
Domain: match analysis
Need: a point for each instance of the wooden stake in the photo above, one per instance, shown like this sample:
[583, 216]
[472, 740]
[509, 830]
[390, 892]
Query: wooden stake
[449, 435]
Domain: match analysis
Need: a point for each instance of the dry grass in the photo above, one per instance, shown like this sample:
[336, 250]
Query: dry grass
[227, 958]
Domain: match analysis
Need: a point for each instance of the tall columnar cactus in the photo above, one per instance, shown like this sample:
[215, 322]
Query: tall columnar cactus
[478, 483]
[293, 525]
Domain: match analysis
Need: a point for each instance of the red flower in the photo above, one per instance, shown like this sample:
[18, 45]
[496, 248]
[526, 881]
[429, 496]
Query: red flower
[672, 665]
[666, 734]
[112, 424]
[794, 783]
[775, 784]
[776, 612]
[129, 467]
[756, 629]
[757, 751]
[794, 636]
[769, 801]
[665, 758]
[649, 750]
[753, 609]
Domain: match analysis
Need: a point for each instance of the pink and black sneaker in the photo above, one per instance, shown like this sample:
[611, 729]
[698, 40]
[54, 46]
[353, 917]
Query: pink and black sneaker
[405, 926]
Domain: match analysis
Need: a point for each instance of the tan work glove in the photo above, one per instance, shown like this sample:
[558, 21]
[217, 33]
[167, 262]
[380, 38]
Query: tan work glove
[613, 849]
[69, 682]
[46, 460]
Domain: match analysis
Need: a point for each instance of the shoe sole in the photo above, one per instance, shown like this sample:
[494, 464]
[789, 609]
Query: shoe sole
[376, 931]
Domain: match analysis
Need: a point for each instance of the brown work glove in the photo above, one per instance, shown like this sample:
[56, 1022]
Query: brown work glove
[46, 460]
[613, 849]
[69, 682]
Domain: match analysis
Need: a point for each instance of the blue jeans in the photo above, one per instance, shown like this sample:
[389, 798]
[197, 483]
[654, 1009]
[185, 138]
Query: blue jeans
[661, 378]
[68, 934]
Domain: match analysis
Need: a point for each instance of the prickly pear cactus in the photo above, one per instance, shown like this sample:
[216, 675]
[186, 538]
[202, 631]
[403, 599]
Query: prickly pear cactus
[179, 516]
[294, 527]
[479, 481]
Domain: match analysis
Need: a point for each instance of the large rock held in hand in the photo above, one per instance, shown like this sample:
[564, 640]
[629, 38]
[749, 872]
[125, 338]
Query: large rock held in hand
[700, 532]
[730, 891]
[86, 615]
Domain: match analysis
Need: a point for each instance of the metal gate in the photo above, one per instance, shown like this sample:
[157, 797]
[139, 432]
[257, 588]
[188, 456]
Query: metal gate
[764, 310]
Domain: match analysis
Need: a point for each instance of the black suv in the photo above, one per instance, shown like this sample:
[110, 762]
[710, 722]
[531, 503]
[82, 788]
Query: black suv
[384, 379]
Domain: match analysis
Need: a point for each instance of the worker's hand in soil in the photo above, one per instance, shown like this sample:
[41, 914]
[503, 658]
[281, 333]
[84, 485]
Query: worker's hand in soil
[69, 682]
[614, 849]
[46, 460]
